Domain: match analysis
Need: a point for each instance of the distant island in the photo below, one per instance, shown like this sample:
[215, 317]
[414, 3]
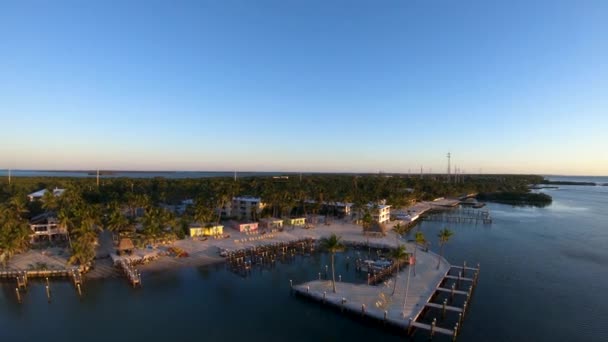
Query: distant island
[567, 183]
[517, 198]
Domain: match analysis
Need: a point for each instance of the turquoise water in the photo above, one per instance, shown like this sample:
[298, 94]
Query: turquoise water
[543, 278]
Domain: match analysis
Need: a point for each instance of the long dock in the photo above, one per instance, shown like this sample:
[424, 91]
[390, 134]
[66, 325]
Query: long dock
[461, 216]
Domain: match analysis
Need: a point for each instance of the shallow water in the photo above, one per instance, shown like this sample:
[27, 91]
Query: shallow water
[543, 278]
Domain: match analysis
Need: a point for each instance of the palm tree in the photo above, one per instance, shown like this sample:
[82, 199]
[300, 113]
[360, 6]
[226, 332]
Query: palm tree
[397, 255]
[420, 240]
[14, 233]
[444, 236]
[332, 245]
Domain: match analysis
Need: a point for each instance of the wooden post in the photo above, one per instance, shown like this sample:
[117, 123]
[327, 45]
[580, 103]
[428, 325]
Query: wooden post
[343, 301]
[464, 307]
[464, 267]
[385, 316]
[368, 278]
[48, 293]
[410, 326]
[452, 293]
[455, 332]
[324, 295]
[445, 303]
[18, 295]
[307, 289]
[460, 318]
[290, 283]
[79, 289]
[433, 324]
[362, 309]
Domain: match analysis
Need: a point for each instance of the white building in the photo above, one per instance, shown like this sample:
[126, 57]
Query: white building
[40, 193]
[381, 212]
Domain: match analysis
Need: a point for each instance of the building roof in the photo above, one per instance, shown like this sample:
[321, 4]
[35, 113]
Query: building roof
[40, 193]
[195, 225]
[125, 244]
[247, 199]
[46, 217]
[271, 219]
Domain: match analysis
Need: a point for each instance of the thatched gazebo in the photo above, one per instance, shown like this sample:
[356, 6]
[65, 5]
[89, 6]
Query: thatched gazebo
[125, 246]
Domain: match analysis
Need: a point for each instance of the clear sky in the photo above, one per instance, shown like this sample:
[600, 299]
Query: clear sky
[505, 86]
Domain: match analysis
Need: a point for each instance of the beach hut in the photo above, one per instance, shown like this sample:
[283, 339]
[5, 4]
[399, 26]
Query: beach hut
[245, 227]
[297, 222]
[209, 229]
[125, 246]
[271, 223]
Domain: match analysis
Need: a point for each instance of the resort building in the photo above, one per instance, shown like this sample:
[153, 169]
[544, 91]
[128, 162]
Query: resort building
[271, 223]
[380, 213]
[335, 208]
[243, 208]
[40, 193]
[197, 229]
[244, 227]
[45, 227]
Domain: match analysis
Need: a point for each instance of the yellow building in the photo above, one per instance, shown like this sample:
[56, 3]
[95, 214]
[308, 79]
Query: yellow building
[205, 230]
[298, 221]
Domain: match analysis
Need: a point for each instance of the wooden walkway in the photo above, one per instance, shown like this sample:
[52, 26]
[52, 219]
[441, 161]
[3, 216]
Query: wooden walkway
[379, 277]
[132, 274]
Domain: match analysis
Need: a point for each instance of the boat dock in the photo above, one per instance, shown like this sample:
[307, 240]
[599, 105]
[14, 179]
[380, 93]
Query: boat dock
[423, 305]
[461, 216]
[132, 274]
[22, 277]
[458, 283]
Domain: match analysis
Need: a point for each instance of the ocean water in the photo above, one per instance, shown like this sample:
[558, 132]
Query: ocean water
[543, 278]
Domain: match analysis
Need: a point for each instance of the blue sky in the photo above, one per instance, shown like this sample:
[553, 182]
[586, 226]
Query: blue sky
[506, 86]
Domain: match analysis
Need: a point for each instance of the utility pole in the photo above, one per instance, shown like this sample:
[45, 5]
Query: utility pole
[98, 178]
[449, 156]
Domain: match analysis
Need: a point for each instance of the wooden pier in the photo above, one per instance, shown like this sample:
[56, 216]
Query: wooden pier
[378, 277]
[241, 261]
[461, 216]
[132, 274]
[22, 277]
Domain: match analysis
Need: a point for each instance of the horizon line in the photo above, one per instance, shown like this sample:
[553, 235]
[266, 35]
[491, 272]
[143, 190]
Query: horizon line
[293, 172]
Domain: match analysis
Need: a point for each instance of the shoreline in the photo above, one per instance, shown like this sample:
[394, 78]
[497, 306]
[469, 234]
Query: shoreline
[206, 253]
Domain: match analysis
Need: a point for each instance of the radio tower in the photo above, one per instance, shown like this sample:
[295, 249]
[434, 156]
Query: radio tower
[449, 156]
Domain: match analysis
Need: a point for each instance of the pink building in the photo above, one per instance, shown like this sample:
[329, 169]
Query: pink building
[245, 227]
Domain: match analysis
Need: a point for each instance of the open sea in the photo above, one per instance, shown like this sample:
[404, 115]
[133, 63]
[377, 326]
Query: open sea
[543, 278]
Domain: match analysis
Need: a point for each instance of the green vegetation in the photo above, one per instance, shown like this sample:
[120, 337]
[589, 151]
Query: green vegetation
[398, 255]
[517, 198]
[333, 245]
[420, 240]
[444, 236]
[567, 183]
